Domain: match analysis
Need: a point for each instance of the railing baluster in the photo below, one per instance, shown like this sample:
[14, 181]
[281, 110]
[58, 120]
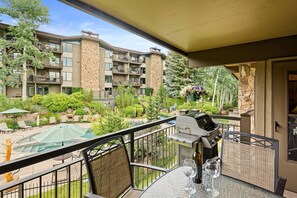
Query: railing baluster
[81, 180]
[132, 153]
[56, 184]
[40, 186]
[69, 180]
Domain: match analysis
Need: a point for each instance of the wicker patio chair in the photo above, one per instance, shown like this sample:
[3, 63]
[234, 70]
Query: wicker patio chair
[23, 125]
[109, 169]
[252, 159]
[4, 128]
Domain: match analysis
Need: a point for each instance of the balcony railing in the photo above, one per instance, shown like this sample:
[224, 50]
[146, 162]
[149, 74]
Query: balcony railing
[135, 83]
[53, 65]
[48, 47]
[117, 83]
[120, 58]
[44, 79]
[136, 60]
[119, 71]
[145, 143]
[135, 72]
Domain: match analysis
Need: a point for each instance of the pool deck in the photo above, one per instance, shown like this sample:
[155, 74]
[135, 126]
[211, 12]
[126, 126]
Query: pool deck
[19, 134]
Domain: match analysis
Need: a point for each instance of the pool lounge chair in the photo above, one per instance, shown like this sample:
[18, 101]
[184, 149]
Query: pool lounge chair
[52, 120]
[86, 118]
[23, 125]
[76, 118]
[4, 128]
[64, 119]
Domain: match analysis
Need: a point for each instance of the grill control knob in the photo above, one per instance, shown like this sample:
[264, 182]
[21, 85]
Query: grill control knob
[220, 135]
[212, 141]
[217, 138]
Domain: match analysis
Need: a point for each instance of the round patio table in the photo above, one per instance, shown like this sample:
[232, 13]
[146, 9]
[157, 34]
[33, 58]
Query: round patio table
[172, 185]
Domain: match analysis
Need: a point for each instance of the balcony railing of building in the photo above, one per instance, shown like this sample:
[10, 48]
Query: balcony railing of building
[135, 72]
[135, 83]
[135, 60]
[44, 79]
[53, 65]
[120, 58]
[56, 48]
[146, 143]
[120, 82]
[119, 70]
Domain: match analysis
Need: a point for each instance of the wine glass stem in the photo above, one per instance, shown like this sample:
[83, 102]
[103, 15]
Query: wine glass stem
[212, 187]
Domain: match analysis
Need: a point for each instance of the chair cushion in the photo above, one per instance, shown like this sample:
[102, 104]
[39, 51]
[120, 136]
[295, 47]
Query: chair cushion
[133, 193]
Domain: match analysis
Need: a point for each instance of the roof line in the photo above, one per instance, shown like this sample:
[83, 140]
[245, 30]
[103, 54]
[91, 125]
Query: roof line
[111, 19]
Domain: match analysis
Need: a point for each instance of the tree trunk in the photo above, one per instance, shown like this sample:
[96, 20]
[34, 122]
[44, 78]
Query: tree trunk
[214, 90]
[24, 82]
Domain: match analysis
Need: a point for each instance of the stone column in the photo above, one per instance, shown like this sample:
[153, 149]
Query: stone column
[246, 94]
[90, 64]
[154, 72]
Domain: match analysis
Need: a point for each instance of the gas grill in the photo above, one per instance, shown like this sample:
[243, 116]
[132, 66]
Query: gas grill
[196, 127]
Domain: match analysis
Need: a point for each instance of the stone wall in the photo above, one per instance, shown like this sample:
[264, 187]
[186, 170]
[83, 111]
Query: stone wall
[90, 64]
[246, 90]
[154, 72]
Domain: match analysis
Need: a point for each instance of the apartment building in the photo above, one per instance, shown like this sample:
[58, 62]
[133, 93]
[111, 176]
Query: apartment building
[87, 62]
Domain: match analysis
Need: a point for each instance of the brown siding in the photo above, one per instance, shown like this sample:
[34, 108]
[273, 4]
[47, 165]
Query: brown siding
[154, 72]
[76, 65]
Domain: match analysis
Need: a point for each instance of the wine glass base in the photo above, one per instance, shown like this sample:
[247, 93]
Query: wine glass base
[212, 192]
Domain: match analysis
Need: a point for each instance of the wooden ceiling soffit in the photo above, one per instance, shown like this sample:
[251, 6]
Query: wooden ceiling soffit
[118, 22]
[255, 51]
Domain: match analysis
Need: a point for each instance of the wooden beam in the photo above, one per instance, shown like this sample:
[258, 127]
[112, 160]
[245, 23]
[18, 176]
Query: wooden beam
[255, 51]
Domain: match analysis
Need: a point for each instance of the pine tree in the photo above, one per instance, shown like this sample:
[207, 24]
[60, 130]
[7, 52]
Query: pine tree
[178, 73]
[22, 48]
[150, 110]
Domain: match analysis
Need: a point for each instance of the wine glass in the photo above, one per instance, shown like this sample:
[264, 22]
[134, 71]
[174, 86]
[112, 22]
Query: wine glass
[212, 167]
[190, 170]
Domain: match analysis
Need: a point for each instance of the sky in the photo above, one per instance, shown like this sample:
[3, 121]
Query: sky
[68, 21]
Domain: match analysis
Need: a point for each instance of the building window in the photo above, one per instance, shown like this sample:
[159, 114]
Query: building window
[67, 47]
[67, 90]
[108, 79]
[31, 91]
[142, 91]
[142, 81]
[108, 66]
[42, 90]
[108, 91]
[67, 62]
[54, 76]
[55, 47]
[142, 69]
[108, 54]
[67, 76]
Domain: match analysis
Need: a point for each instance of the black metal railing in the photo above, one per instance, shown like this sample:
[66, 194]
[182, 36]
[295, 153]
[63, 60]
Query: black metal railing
[70, 179]
[145, 143]
[227, 123]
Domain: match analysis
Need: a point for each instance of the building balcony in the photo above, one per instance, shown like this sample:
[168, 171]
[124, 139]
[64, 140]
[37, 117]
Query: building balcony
[53, 65]
[120, 82]
[135, 72]
[135, 83]
[136, 60]
[119, 71]
[118, 58]
[44, 80]
[70, 178]
[56, 48]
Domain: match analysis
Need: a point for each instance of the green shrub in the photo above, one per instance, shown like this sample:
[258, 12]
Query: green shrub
[97, 107]
[139, 110]
[108, 123]
[28, 105]
[37, 99]
[76, 89]
[188, 106]
[11, 123]
[15, 103]
[148, 91]
[125, 100]
[79, 111]
[4, 103]
[130, 112]
[61, 102]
